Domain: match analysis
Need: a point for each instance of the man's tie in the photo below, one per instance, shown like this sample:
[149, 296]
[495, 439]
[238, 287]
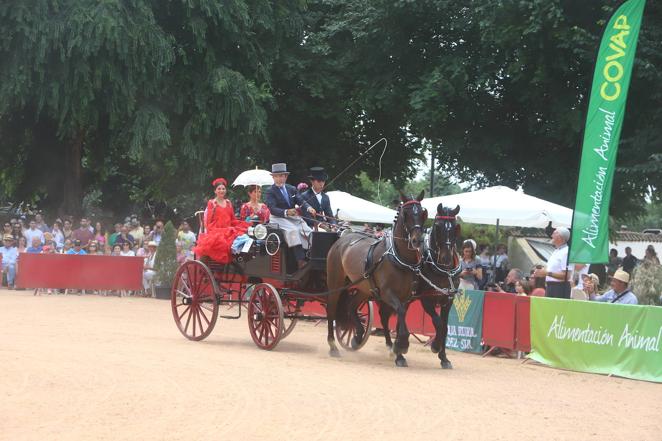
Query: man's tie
[285, 195]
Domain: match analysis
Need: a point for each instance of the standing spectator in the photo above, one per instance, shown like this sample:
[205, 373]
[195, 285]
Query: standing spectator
[67, 231]
[125, 237]
[113, 237]
[629, 261]
[137, 231]
[78, 248]
[619, 292]
[580, 270]
[600, 270]
[156, 234]
[147, 233]
[83, 234]
[651, 255]
[148, 272]
[9, 255]
[17, 231]
[615, 262]
[589, 290]
[33, 232]
[100, 235]
[22, 245]
[58, 235]
[48, 241]
[7, 229]
[181, 253]
[39, 221]
[501, 263]
[126, 249]
[485, 262]
[471, 269]
[185, 236]
[558, 274]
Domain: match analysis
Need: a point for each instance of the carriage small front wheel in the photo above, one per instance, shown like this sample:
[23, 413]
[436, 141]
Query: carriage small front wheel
[193, 299]
[265, 316]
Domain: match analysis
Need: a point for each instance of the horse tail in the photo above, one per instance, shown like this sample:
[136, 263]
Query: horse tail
[343, 311]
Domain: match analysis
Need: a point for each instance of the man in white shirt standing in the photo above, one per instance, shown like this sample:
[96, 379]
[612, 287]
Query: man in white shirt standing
[558, 273]
[33, 232]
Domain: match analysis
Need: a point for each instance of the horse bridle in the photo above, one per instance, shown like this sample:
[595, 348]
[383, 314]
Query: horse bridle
[391, 249]
[430, 258]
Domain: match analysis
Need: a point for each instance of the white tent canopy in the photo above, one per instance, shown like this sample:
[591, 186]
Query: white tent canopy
[509, 207]
[353, 209]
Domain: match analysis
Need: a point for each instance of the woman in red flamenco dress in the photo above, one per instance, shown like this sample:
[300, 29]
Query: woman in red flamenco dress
[221, 226]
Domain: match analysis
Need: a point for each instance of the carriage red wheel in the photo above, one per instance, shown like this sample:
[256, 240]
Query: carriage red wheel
[193, 299]
[345, 335]
[291, 309]
[265, 316]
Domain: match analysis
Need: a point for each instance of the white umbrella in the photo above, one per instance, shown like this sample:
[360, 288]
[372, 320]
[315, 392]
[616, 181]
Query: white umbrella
[353, 209]
[254, 177]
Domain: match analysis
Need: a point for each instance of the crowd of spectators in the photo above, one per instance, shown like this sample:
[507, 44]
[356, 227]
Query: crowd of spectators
[128, 238]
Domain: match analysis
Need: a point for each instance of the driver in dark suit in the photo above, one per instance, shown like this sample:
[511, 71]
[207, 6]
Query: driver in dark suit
[317, 199]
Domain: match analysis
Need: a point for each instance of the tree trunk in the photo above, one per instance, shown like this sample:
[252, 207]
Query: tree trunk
[72, 200]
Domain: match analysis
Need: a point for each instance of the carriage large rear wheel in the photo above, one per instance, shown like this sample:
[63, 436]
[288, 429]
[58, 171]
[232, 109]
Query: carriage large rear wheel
[265, 316]
[291, 308]
[193, 299]
[345, 335]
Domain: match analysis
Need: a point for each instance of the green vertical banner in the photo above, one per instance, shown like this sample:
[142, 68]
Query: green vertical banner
[604, 338]
[465, 322]
[606, 109]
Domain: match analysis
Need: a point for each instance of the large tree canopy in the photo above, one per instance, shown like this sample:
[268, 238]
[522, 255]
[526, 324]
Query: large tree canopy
[134, 100]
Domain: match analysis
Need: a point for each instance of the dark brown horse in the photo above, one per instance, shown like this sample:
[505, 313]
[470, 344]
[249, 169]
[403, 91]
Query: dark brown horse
[385, 269]
[439, 273]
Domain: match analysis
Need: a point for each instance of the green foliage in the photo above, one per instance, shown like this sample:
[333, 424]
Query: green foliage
[165, 263]
[647, 283]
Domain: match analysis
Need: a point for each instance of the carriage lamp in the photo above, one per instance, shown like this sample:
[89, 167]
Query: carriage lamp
[260, 232]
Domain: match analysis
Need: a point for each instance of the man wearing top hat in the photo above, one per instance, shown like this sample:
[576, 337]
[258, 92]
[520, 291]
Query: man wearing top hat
[283, 200]
[317, 198]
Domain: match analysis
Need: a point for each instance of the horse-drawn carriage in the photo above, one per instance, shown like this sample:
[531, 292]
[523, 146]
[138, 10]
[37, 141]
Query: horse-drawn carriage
[263, 279]
[345, 273]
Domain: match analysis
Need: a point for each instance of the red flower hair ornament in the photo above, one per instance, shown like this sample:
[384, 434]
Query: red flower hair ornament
[216, 182]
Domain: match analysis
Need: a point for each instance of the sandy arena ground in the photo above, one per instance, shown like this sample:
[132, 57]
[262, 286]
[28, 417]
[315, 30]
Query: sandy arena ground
[102, 368]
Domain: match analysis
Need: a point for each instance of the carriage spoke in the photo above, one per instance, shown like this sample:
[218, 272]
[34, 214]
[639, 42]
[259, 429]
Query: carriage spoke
[188, 320]
[184, 312]
[202, 313]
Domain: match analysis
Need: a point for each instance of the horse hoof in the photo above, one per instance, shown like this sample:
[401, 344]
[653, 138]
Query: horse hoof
[446, 365]
[401, 362]
[334, 353]
[435, 347]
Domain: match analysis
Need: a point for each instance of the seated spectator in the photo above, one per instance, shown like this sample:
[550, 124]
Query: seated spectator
[126, 249]
[523, 287]
[9, 255]
[125, 237]
[148, 272]
[35, 247]
[379, 230]
[157, 232]
[83, 234]
[142, 251]
[117, 249]
[137, 231]
[538, 284]
[181, 253]
[509, 285]
[93, 248]
[147, 233]
[619, 292]
[589, 291]
[68, 244]
[77, 248]
[33, 232]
